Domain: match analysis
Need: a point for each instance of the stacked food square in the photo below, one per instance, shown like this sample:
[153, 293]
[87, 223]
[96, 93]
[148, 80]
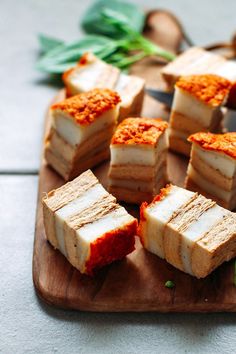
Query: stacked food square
[91, 72]
[196, 107]
[81, 131]
[212, 167]
[138, 166]
[86, 224]
[191, 232]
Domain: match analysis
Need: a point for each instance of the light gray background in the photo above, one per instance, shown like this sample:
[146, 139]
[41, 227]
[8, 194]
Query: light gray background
[27, 325]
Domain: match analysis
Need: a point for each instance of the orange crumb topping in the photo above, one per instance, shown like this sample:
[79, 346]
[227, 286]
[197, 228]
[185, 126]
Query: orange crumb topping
[225, 143]
[143, 207]
[86, 107]
[139, 131]
[163, 193]
[210, 89]
[112, 246]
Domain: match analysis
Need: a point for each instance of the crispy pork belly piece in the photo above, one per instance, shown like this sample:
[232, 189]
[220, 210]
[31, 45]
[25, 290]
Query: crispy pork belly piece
[138, 159]
[84, 222]
[131, 91]
[212, 167]
[191, 232]
[194, 61]
[81, 131]
[91, 72]
[196, 107]
[197, 61]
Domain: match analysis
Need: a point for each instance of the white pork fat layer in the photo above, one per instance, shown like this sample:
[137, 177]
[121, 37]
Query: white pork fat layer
[199, 64]
[159, 214]
[74, 133]
[138, 154]
[84, 79]
[128, 86]
[197, 230]
[191, 107]
[208, 186]
[92, 231]
[121, 85]
[84, 201]
[219, 161]
[227, 69]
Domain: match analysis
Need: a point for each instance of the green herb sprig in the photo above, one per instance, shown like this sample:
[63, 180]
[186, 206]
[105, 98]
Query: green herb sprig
[125, 47]
[93, 21]
[169, 284]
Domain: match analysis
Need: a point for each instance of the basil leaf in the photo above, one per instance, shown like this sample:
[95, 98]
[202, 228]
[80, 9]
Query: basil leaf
[63, 56]
[47, 43]
[115, 18]
[93, 21]
[55, 68]
[91, 43]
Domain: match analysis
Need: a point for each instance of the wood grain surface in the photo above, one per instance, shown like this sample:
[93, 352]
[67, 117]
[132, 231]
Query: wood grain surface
[136, 283]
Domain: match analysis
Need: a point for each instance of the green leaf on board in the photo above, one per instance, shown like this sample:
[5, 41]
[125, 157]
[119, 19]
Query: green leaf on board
[131, 14]
[64, 55]
[125, 48]
[47, 43]
[169, 284]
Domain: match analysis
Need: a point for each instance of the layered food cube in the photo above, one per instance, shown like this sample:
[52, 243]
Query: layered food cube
[138, 159]
[191, 232]
[212, 167]
[91, 72]
[86, 224]
[197, 61]
[196, 107]
[81, 131]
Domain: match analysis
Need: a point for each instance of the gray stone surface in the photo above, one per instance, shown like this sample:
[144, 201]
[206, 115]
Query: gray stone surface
[26, 324]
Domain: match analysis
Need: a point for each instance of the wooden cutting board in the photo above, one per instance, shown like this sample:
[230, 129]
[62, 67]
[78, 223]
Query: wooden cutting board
[136, 283]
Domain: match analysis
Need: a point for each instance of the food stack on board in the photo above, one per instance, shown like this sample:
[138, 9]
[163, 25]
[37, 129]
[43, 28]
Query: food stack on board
[91, 72]
[196, 107]
[81, 130]
[212, 167]
[190, 230]
[87, 225]
[138, 166]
